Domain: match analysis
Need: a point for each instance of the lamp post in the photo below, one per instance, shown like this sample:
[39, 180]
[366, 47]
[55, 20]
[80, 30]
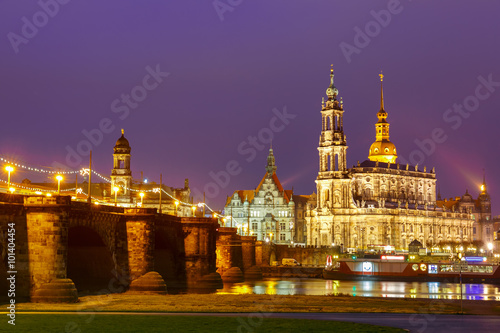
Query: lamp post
[12, 190]
[9, 169]
[59, 178]
[116, 189]
[194, 209]
[142, 198]
[176, 205]
[490, 248]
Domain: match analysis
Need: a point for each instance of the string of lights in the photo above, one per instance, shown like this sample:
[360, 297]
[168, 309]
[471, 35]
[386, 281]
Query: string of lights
[36, 189]
[85, 172]
[40, 170]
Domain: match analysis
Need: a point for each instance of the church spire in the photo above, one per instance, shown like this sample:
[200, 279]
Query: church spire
[332, 91]
[381, 91]
[271, 165]
[382, 150]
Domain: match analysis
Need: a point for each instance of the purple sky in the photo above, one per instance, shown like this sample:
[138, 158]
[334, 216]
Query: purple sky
[226, 77]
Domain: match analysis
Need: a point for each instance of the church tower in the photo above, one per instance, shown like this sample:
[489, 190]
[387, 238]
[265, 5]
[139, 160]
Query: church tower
[333, 180]
[382, 150]
[121, 176]
[271, 164]
[486, 232]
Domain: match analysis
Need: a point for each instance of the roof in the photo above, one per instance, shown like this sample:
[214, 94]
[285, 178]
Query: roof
[448, 204]
[393, 166]
[301, 198]
[250, 194]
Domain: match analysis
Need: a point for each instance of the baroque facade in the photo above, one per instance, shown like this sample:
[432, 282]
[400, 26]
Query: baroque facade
[269, 212]
[377, 202]
[483, 229]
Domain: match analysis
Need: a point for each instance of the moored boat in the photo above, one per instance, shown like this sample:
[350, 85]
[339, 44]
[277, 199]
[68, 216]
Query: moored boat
[396, 268]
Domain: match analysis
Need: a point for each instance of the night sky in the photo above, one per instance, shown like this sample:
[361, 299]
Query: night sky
[221, 75]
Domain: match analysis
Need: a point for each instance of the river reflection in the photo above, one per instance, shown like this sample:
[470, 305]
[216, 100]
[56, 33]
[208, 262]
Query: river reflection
[434, 290]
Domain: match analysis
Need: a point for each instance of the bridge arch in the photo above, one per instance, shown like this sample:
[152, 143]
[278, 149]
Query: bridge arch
[90, 262]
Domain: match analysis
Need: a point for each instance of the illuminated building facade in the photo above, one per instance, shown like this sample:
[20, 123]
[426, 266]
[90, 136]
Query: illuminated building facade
[129, 191]
[483, 229]
[121, 175]
[269, 212]
[377, 202]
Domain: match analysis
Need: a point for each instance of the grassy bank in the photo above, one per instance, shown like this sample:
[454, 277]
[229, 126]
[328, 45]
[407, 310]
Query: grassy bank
[263, 303]
[149, 323]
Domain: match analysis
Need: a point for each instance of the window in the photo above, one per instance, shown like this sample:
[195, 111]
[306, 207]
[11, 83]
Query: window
[283, 226]
[282, 237]
[474, 230]
[254, 214]
[254, 226]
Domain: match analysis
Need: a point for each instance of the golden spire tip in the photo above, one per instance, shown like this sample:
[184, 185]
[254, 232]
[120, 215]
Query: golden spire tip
[123, 131]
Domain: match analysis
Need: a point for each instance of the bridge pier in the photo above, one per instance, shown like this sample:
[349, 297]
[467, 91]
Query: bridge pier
[47, 220]
[229, 255]
[140, 241]
[248, 251]
[199, 247]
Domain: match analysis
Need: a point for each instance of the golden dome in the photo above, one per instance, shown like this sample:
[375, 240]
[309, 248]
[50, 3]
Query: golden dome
[383, 151]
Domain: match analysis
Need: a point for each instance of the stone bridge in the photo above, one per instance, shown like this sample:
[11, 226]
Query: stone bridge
[101, 248]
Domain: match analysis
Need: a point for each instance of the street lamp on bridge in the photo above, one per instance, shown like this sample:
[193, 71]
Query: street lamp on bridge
[9, 169]
[141, 194]
[59, 178]
[116, 189]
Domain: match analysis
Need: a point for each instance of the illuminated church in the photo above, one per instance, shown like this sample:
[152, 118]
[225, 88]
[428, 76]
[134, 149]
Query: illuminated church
[378, 201]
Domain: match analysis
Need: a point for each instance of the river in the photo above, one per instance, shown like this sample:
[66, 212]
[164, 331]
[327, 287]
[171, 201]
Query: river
[433, 290]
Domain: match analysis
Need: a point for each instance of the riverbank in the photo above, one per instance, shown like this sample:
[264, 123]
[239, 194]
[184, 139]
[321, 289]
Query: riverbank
[127, 302]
